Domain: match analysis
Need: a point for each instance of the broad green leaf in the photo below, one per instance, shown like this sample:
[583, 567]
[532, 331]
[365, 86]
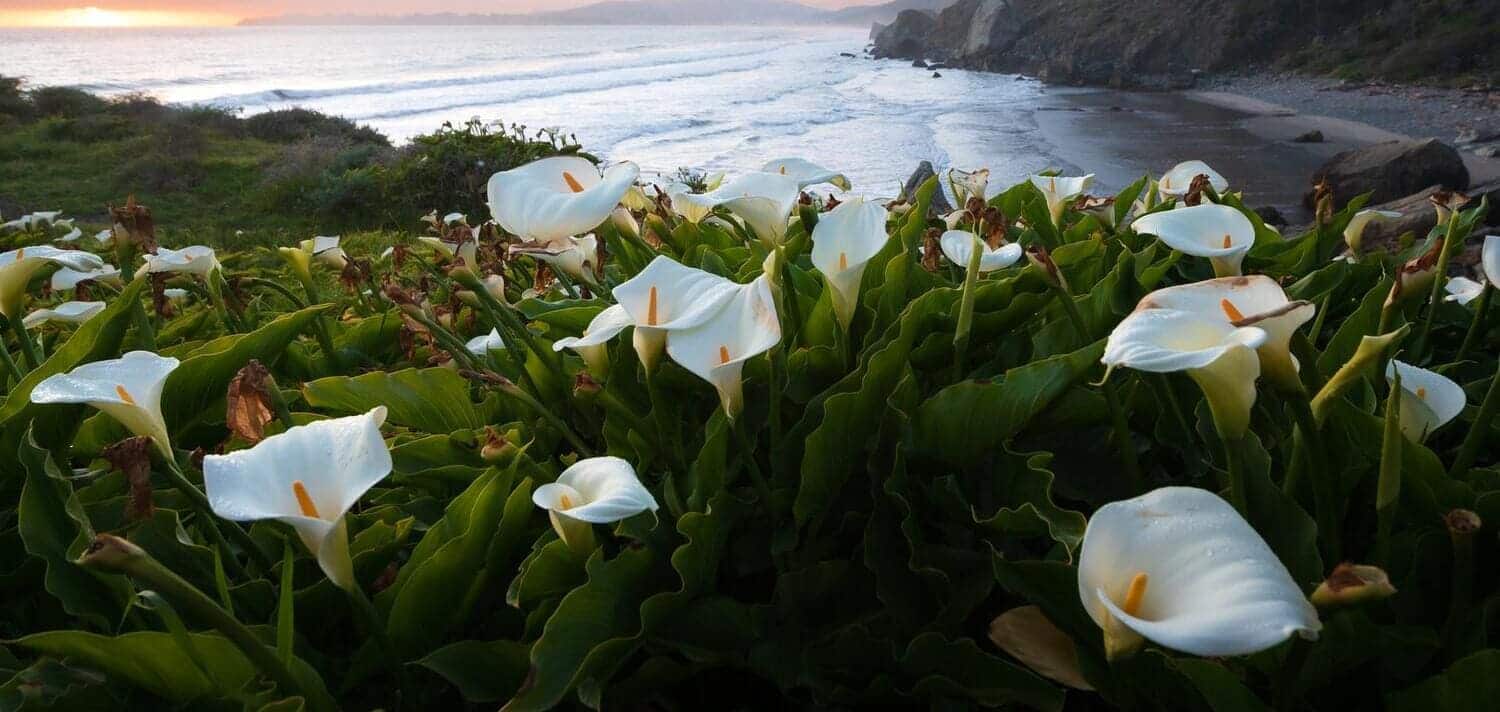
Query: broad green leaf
[482, 671]
[432, 400]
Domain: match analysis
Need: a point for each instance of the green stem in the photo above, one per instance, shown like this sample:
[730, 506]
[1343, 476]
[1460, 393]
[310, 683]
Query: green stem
[10, 364]
[1117, 417]
[547, 414]
[1435, 297]
[671, 444]
[116, 555]
[1234, 460]
[291, 296]
[1479, 430]
[1388, 486]
[211, 522]
[1289, 677]
[966, 308]
[1462, 526]
[376, 627]
[28, 349]
[757, 477]
[1325, 497]
[1476, 326]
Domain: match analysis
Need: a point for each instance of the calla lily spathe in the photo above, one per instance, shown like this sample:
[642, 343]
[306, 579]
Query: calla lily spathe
[665, 297]
[1354, 232]
[483, 344]
[573, 256]
[1180, 567]
[196, 260]
[763, 200]
[67, 278]
[958, 246]
[1220, 233]
[1218, 355]
[716, 350]
[1060, 191]
[67, 313]
[17, 267]
[806, 173]
[1257, 301]
[844, 241]
[1428, 400]
[1177, 181]
[558, 197]
[592, 346]
[308, 477]
[127, 388]
[1463, 290]
[1489, 259]
[595, 490]
[325, 249]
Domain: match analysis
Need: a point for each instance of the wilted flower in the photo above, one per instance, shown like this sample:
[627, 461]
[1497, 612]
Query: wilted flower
[716, 349]
[1446, 202]
[1415, 277]
[557, 197]
[1428, 400]
[1180, 567]
[1029, 636]
[1221, 233]
[844, 241]
[806, 173]
[67, 312]
[248, 402]
[1354, 233]
[127, 388]
[969, 184]
[1351, 584]
[1102, 208]
[595, 490]
[307, 477]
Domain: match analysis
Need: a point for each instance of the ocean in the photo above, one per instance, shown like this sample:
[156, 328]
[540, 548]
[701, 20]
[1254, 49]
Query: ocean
[710, 98]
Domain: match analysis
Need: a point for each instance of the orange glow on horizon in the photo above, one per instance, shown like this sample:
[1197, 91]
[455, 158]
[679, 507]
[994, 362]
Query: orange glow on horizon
[95, 17]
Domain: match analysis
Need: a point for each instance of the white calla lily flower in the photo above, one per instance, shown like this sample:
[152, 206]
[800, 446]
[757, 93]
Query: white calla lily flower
[127, 388]
[325, 249]
[573, 256]
[595, 490]
[668, 296]
[844, 241]
[455, 218]
[958, 247]
[67, 278]
[1429, 400]
[1354, 232]
[716, 350]
[807, 173]
[307, 477]
[1257, 301]
[67, 313]
[483, 344]
[1218, 355]
[18, 266]
[592, 347]
[71, 236]
[1489, 259]
[1463, 290]
[1178, 180]
[1180, 567]
[104, 237]
[1060, 192]
[968, 184]
[763, 200]
[196, 260]
[175, 293]
[467, 249]
[558, 197]
[1218, 232]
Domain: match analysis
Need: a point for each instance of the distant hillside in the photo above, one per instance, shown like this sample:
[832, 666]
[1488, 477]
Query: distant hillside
[639, 12]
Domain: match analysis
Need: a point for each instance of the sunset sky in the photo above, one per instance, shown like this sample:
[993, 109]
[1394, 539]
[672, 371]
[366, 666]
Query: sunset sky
[73, 13]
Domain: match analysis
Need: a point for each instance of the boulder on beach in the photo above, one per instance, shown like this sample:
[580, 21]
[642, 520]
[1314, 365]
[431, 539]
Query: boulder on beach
[1418, 216]
[1313, 136]
[1392, 170]
[906, 36]
[940, 204]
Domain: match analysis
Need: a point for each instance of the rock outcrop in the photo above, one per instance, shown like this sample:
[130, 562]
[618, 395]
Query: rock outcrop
[1392, 170]
[906, 37]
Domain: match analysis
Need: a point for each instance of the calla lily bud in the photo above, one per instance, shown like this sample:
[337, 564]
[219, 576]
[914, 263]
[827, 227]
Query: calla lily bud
[300, 262]
[1352, 584]
[585, 387]
[497, 447]
[1371, 349]
[1462, 524]
[1354, 233]
[1414, 279]
[625, 222]
[469, 298]
[1445, 202]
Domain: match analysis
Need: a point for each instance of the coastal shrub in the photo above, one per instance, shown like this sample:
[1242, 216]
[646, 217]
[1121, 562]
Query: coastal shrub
[65, 102]
[296, 124]
[13, 101]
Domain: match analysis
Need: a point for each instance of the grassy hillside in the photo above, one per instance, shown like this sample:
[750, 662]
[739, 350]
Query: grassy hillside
[209, 173]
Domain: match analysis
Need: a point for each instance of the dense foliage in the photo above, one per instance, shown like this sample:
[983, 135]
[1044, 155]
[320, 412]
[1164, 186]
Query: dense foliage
[904, 466]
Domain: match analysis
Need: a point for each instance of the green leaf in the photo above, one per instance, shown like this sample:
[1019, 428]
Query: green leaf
[482, 671]
[432, 400]
[154, 662]
[55, 529]
[959, 669]
[1471, 684]
[1224, 691]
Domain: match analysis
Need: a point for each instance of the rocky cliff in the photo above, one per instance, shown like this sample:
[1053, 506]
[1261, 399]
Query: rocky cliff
[1162, 43]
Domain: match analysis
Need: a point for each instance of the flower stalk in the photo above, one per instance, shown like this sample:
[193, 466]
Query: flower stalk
[1479, 430]
[1440, 277]
[1388, 487]
[1476, 324]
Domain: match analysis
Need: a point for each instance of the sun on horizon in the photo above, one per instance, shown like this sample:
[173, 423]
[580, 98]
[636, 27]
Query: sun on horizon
[96, 17]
